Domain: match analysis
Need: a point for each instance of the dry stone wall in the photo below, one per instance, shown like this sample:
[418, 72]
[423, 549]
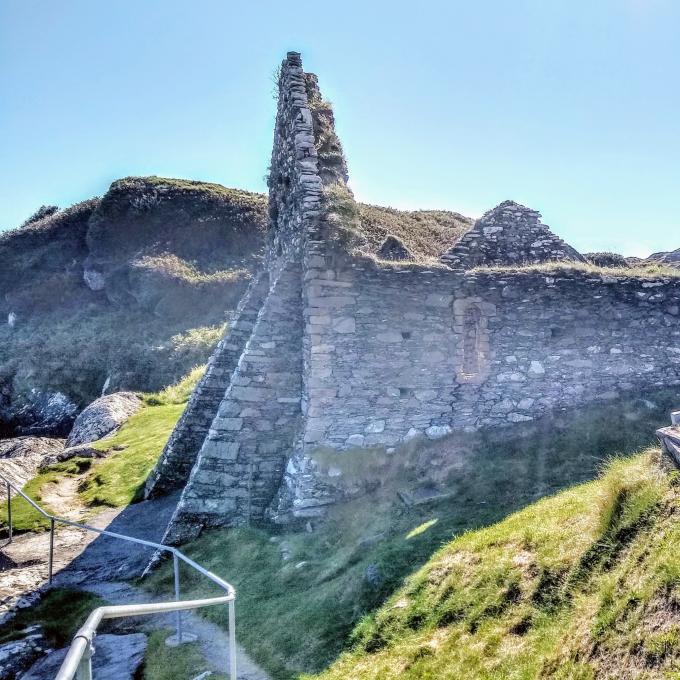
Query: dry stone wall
[240, 463]
[398, 352]
[510, 234]
[348, 356]
[179, 454]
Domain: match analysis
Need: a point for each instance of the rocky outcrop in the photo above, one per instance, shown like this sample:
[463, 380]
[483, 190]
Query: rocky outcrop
[393, 249]
[20, 458]
[122, 287]
[117, 657]
[18, 655]
[80, 451]
[103, 416]
[44, 413]
[670, 258]
[607, 259]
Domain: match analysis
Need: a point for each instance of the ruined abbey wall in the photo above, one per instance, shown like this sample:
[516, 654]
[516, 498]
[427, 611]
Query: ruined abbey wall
[402, 351]
[345, 354]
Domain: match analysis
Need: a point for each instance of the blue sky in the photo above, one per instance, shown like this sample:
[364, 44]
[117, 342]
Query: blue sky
[570, 107]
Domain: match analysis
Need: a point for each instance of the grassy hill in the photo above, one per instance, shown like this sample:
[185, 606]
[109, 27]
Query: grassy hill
[135, 287]
[306, 597]
[585, 584]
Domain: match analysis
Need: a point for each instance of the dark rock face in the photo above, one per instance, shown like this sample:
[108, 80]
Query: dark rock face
[393, 249]
[45, 413]
[103, 416]
[18, 655]
[117, 657]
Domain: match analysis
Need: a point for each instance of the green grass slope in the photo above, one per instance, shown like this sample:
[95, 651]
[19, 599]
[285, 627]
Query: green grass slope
[117, 479]
[584, 584]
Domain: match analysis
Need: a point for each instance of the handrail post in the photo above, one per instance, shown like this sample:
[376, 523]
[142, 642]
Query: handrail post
[51, 563]
[85, 665]
[232, 640]
[175, 564]
[9, 510]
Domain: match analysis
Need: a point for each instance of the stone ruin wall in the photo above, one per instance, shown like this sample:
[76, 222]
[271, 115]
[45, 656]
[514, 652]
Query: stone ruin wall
[399, 352]
[509, 234]
[252, 432]
[350, 353]
[179, 454]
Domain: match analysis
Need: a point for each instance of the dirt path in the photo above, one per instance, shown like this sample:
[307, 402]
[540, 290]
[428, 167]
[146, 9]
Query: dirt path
[101, 564]
[213, 641]
[25, 560]
[62, 499]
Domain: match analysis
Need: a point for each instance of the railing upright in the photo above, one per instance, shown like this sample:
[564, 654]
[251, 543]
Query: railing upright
[78, 661]
[178, 614]
[51, 560]
[9, 510]
[232, 639]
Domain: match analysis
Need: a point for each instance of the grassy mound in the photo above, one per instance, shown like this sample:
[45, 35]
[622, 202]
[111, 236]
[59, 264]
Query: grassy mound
[585, 584]
[126, 288]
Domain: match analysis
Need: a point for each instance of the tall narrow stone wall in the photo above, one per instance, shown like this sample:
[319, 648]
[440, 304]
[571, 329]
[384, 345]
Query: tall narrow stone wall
[179, 454]
[255, 431]
[241, 462]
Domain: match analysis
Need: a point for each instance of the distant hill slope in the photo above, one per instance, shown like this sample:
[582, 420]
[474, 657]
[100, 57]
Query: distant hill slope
[582, 585]
[134, 287]
[426, 233]
[670, 257]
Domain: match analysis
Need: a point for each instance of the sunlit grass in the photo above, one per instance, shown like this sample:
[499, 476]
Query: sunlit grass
[573, 586]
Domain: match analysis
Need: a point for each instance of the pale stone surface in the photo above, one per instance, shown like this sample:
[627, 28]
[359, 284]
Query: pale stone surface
[103, 416]
[21, 457]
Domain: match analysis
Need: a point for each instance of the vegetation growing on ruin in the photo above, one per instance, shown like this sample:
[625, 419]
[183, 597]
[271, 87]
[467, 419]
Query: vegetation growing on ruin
[646, 270]
[301, 594]
[426, 233]
[584, 584]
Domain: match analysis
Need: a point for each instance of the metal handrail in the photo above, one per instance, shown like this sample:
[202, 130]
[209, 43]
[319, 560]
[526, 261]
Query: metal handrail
[78, 659]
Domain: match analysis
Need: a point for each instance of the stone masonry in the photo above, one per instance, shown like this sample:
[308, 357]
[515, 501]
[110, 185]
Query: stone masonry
[179, 454]
[351, 355]
[510, 234]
